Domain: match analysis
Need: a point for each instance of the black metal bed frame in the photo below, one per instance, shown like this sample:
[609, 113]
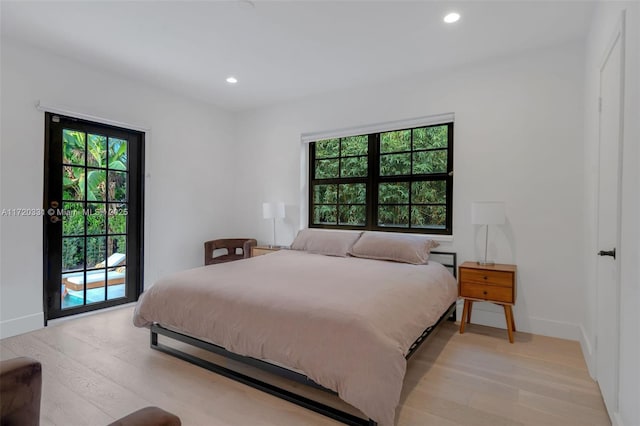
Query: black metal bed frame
[318, 407]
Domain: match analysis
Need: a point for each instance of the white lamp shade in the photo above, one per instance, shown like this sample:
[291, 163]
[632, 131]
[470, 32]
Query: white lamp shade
[487, 213]
[273, 210]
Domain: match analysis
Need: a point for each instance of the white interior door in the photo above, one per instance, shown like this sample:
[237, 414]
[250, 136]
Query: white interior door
[608, 291]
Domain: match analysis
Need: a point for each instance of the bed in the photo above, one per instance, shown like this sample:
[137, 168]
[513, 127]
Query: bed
[343, 324]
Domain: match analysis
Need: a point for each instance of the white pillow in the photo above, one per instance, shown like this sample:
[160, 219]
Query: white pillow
[330, 243]
[404, 248]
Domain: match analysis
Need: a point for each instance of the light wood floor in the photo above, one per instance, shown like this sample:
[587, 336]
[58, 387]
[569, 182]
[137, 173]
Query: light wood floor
[98, 368]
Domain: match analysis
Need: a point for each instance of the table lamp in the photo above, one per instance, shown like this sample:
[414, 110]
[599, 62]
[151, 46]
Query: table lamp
[487, 213]
[273, 211]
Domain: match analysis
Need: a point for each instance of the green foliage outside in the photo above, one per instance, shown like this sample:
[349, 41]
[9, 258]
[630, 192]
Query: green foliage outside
[94, 183]
[421, 151]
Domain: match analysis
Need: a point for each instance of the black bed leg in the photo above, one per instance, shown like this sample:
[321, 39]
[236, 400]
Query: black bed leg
[154, 339]
[452, 317]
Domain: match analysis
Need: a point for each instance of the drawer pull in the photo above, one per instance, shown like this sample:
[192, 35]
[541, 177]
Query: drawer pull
[486, 277]
[484, 292]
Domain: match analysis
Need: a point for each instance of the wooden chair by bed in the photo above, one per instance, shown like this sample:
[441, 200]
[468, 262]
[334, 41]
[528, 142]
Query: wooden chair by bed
[232, 245]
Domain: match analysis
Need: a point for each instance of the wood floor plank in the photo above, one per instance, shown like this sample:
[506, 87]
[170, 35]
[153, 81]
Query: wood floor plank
[514, 410]
[98, 368]
[6, 353]
[564, 409]
[112, 398]
[63, 404]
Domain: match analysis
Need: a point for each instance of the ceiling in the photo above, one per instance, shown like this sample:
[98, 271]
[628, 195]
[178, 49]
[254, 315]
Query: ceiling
[281, 50]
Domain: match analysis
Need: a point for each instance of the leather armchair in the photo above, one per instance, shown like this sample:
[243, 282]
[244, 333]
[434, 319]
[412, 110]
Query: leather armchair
[148, 416]
[231, 245]
[21, 388]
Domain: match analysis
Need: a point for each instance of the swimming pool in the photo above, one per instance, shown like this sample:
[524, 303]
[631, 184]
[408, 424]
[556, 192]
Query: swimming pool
[75, 298]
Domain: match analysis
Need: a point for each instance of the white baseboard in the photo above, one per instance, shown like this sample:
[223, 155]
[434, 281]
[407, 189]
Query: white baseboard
[551, 328]
[587, 352]
[15, 326]
[491, 316]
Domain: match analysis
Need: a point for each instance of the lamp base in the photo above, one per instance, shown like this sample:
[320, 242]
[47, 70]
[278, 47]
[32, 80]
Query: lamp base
[486, 262]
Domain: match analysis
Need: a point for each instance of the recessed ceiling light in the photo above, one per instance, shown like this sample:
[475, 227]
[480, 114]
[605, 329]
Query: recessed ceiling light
[232, 80]
[451, 18]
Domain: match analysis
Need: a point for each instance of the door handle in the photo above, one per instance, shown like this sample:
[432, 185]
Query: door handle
[53, 218]
[611, 253]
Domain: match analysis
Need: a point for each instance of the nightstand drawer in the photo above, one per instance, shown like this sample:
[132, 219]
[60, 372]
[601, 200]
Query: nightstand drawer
[486, 292]
[499, 278]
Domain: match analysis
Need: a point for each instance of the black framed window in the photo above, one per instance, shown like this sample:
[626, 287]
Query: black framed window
[400, 180]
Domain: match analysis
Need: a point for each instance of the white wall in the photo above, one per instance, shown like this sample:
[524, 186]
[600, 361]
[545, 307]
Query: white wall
[518, 138]
[605, 20]
[187, 165]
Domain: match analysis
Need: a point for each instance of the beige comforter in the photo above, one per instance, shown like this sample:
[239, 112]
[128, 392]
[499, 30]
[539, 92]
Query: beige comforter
[347, 323]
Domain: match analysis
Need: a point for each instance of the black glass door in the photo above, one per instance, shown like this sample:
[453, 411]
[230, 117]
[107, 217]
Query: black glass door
[93, 215]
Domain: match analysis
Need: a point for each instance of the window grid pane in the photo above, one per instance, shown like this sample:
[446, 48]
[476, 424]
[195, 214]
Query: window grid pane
[411, 189]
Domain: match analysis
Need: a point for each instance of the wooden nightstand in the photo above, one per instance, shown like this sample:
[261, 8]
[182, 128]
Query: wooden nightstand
[260, 250]
[495, 283]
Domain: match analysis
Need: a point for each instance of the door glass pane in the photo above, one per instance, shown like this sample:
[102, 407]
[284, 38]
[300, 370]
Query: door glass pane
[72, 290]
[118, 218]
[73, 183]
[96, 185]
[116, 283]
[118, 154]
[97, 151]
[72, 219]
[117, 186]
[116, 271]
[95, 217]
[95, 282]
[115, 245]
[73, 147]
[72, 253]
[96, 252]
